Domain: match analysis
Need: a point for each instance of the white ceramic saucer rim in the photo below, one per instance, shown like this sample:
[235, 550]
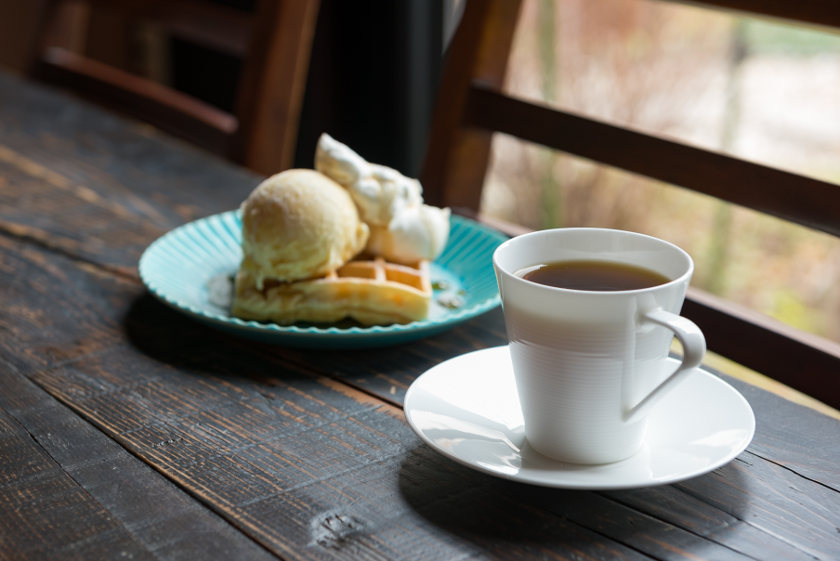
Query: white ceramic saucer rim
[620, 475]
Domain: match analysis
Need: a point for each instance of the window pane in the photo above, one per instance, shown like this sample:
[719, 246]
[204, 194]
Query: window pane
[762, 91]
[758, 90]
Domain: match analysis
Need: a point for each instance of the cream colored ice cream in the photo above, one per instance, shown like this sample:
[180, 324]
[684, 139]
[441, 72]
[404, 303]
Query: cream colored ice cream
[403, 228]
[299, 224]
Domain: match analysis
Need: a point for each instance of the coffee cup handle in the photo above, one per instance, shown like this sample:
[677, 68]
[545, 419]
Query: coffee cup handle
[694, 348]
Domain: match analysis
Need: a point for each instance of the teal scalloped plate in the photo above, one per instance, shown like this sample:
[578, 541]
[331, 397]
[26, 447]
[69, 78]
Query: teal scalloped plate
[191, 269]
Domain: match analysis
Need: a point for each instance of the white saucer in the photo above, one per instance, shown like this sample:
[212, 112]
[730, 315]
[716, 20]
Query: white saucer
[467, 409]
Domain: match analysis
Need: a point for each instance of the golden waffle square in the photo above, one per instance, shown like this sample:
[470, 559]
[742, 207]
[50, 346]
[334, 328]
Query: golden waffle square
[372, 292]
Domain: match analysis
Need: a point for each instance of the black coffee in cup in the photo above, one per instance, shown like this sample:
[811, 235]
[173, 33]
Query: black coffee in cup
[605, 276]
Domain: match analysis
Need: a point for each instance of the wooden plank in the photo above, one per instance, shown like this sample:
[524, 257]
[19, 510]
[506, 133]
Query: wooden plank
[69, 492]
[795, 438]
[748, 491]
[698, 522]
[817, 12]
[699, 505]
[52, 311]
[68, 217]
[49, 508]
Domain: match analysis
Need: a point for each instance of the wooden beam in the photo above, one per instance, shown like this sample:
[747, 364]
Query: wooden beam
[803, 200]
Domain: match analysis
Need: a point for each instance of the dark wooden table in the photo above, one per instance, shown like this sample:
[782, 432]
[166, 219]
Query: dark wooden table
[128, 431]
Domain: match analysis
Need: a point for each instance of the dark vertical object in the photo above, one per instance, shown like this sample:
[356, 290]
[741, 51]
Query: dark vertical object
[205, 73]
[372, 80]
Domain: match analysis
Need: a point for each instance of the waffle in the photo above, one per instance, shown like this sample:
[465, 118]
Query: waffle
[372, 292]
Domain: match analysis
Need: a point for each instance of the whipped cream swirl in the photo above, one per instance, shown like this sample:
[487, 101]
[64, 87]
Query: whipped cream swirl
[402, 228]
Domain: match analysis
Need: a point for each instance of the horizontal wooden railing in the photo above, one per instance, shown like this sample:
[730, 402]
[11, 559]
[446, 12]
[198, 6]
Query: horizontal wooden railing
[824, 13]
[174, 112]
[809, 202]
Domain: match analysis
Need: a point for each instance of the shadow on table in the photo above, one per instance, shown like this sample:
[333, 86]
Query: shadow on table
[173, 338]
[490, 510]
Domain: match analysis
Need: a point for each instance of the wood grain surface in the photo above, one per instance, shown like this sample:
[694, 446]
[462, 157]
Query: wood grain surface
[128, 430]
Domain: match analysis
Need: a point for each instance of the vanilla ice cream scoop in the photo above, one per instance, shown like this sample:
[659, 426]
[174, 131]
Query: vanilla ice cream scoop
[299, 224]
[403, 229]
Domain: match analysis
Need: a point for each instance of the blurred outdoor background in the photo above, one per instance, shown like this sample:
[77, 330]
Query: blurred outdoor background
[748, 87]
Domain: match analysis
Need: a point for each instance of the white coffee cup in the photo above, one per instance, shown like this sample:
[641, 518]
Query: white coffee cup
[589, 365]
